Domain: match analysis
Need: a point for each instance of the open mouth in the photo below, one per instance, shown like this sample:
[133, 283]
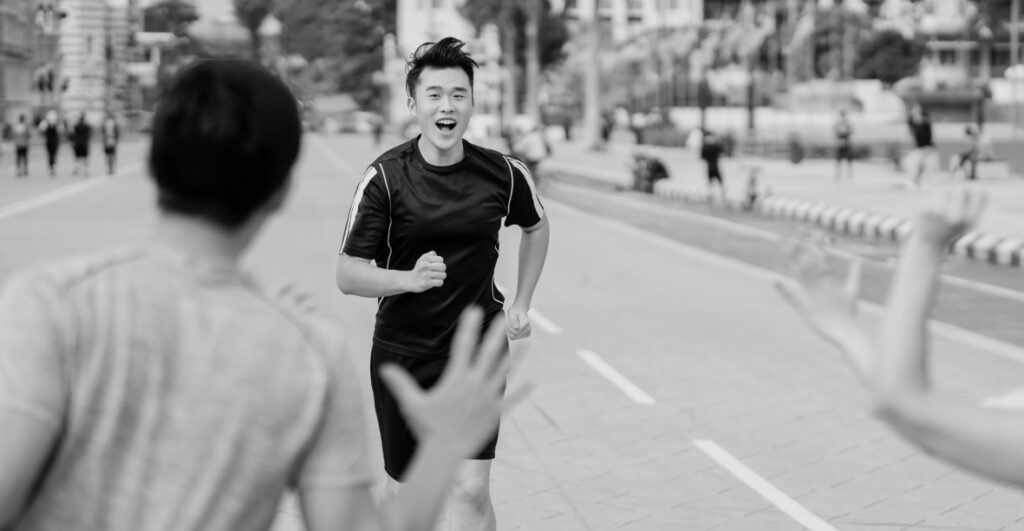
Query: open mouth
[446, 124]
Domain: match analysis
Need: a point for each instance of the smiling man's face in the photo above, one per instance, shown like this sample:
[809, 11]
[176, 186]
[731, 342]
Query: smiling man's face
[443, 105]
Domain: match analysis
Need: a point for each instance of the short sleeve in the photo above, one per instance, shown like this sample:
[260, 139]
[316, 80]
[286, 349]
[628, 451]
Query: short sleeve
[31, 344]
[338, 456]
[525, 208]
[368, 218]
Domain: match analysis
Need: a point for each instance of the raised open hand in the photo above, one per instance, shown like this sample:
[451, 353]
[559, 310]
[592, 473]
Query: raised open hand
[463, 409]
[826, 300]
[946, 216]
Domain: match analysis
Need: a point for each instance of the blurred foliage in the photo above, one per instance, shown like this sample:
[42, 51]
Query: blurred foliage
[251, 14]
[888, 56]
[171, 16]
[343, 39]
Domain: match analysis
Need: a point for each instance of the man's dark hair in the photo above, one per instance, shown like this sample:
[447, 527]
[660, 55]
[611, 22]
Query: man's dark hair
[225, 136]
[445, 53]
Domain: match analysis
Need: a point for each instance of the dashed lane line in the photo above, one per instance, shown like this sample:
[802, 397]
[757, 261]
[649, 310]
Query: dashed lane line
[604, 369]
[761, 486]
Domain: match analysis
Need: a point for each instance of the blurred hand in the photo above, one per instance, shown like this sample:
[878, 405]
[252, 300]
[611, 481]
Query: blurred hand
[945, 217]
[518, 321]
[429, 272]
[463, 409]
[827, 305]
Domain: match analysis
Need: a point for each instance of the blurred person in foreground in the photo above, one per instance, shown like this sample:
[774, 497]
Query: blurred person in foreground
[163, 388]
[894, 366]
[422, 238]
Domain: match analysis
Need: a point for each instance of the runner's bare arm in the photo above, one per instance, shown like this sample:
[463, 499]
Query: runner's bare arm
[358, 276]
[533, 251]
[27, 443]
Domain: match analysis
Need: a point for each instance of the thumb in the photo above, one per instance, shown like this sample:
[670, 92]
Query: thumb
[401, 384]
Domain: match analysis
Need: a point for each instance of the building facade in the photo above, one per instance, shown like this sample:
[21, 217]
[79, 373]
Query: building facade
[93, 48]
[21, 50]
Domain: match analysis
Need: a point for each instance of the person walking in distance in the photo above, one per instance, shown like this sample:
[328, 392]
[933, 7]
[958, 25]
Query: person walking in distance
[711, 152]
[52, 129]
[22, 138]
[163, 388]
[110, 133]
[422, 238]
[844, 145]
[81, 135]
[921, 130]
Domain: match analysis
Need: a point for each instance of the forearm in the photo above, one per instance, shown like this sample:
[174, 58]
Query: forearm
[359, 277]
[903, 359]
[533, 251]
[985, 441]
[419, 500]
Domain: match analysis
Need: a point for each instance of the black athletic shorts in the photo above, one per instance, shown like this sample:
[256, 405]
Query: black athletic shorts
[844, 151]
[397, 440]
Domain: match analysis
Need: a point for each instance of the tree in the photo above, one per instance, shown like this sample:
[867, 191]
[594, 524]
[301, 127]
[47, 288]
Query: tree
[251, 14]
[889, 57]
[345, 38]
[172, 16]
[532, 37]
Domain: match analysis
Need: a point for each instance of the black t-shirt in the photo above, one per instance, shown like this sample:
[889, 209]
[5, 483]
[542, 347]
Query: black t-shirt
[405, 207]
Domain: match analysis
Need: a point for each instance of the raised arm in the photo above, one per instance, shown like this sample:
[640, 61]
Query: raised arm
[359, 276]
[533, 251]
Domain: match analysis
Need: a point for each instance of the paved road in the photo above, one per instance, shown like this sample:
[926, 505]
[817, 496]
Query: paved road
[675, 392]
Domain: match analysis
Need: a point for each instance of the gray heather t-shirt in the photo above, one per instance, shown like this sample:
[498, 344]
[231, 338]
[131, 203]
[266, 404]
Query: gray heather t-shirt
[183, 397]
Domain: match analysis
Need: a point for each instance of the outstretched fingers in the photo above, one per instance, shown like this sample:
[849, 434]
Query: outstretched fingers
[401, 384]
[465, 341]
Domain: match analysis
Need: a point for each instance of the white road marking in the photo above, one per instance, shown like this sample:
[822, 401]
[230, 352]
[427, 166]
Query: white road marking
[620, 381]
[762, 486]
[944, 330]
[1013, 400]
[63, 192]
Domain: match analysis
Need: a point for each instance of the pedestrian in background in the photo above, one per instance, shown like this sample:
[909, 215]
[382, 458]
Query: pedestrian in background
[711, 152]
[164, 388]
[843, 131]
[52, 129]
[921, 130]
[110, 133]
[81, 135]
[22, 138]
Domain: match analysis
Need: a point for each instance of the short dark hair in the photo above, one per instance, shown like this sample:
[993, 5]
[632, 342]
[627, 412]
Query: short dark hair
[445, 53]
[225, 136]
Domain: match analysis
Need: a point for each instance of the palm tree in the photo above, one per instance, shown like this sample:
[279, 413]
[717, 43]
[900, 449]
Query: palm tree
[252, 13]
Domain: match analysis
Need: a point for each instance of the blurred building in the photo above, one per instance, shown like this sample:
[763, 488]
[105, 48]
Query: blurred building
[93, 45]
[23, 47]
[625, 19]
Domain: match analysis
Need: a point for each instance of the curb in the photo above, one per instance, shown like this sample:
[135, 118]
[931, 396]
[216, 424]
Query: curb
[989, 248]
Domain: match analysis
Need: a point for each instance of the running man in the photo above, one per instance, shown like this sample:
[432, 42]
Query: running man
[894, 366]
[162, 388]
[422, 237]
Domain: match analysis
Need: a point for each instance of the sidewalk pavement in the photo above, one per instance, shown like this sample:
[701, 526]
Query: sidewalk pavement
[878, 202]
